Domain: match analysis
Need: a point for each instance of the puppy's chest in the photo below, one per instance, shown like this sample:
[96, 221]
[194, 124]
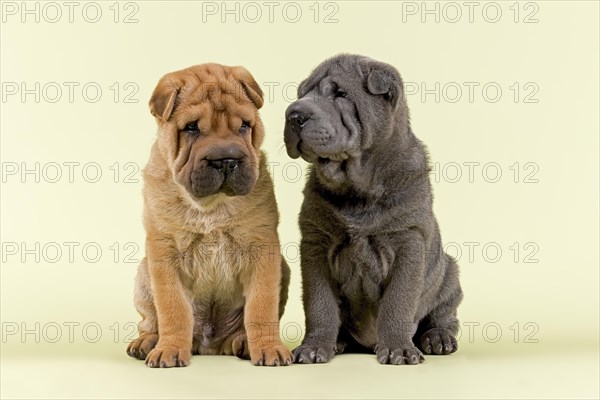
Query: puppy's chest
[213, 266]
[360, 264]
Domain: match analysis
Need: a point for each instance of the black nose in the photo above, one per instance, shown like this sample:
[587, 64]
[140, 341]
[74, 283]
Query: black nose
[225, 165]
[298, 119]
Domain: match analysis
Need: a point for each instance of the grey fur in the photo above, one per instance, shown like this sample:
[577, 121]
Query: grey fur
[374, 274]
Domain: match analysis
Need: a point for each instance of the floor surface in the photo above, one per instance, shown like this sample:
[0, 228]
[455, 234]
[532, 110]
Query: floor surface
[519, 371]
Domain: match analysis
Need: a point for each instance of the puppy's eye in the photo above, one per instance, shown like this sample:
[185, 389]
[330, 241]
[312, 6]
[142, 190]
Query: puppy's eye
[245, 127]
[192, 127]
[340, 93]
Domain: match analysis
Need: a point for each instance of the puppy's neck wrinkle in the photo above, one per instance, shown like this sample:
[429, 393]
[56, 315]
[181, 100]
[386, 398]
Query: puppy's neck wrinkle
[382, 172]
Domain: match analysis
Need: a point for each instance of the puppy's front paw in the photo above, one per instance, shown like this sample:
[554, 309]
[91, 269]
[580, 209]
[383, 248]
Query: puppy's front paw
[438, 341]
[271, 355]
[306, 354]
[399, 355]
[141, 346]
[167, 357]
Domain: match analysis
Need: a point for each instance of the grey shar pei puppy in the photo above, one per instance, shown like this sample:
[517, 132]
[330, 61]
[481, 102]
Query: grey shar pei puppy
[375, 277]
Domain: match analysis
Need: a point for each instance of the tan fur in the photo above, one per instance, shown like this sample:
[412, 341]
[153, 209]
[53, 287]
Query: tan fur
[212, 262]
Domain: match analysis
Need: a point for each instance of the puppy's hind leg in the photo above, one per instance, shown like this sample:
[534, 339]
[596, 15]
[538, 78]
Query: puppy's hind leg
[238, 345]
[148, 326]
[347, 344]
[437, 331]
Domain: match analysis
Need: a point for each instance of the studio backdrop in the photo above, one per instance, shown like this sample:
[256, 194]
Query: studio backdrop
[504, 94]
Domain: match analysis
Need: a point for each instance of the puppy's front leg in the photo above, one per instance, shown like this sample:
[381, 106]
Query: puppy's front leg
[174, 311]
[261, 311]
[396, 323]
[321, 305]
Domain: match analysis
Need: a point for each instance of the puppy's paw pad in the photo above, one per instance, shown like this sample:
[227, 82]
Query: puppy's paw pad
[143, 345]
[313, 354]
[167, 357]
[438, 341]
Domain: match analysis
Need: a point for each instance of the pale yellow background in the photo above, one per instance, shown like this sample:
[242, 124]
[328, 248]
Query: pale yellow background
[559, 133]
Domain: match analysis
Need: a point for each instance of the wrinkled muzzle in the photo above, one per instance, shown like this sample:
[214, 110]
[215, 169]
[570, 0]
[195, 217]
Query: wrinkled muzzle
[314, 128]
[222, 169]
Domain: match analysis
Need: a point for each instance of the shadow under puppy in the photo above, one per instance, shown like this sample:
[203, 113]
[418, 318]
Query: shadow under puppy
[374, 274]
[213, 280]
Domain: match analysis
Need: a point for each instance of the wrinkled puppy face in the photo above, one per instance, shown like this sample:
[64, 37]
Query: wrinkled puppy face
[209, 128]
[343, 107]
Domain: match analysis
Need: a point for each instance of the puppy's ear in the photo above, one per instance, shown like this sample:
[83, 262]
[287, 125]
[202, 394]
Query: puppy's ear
[253, 91]
[384, 80]
[164, 97]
